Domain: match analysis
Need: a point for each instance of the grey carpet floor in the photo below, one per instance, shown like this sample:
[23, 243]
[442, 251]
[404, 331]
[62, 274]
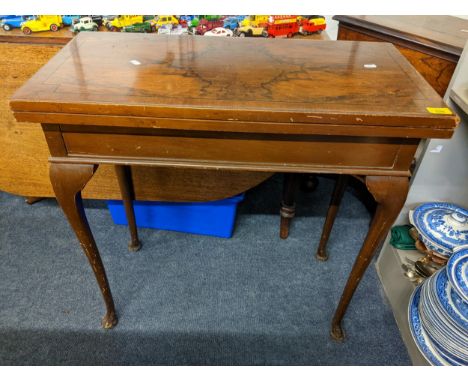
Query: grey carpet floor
[191, 300]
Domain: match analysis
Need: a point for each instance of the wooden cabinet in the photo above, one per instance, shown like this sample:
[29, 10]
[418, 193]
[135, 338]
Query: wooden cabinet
[432, 44]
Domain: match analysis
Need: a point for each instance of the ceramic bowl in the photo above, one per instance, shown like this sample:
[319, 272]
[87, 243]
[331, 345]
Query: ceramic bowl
[457, 271]
[441, 226]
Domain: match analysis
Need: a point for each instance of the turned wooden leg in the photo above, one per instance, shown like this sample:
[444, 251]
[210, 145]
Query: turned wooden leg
[124, 176]
[67, 181]
[340, 187]
[288, 205]
[33, 199]
[390, 194]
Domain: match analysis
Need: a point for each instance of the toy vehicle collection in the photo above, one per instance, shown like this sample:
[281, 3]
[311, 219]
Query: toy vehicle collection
[42, 23]
[241, 26]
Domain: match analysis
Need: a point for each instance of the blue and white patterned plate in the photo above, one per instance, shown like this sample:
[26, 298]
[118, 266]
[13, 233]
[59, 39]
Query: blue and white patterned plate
[457, 271]
[446, 338]
[441, 226]
[418, 333]
[452, 303]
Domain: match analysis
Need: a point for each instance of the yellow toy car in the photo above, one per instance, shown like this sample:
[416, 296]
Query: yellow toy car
[42, 23]
[249, 31]
[164, 20]
[123, 21]
[254, 21]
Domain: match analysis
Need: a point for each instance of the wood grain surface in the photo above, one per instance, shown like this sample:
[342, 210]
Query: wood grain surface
[432, 44]
[23, 158]
[435, 70]
[196, 78]
[445, 34]
[24, 168]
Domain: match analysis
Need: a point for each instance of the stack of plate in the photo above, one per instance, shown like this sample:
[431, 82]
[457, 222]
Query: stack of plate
[438, 313]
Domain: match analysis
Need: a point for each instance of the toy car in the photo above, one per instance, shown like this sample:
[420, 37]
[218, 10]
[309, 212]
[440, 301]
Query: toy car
[179, 30]
[85, 24]
[145, 27]
[281, 26]
[70, 19]
[12, 21]
[169, 29]
[220, 32]
[205, 26]
[164, 20]
[98, 19]
[232, 22]
[249, 31]
[186, 20]
[254, 21]
[123, 21]
[42, 23]
[312, 24]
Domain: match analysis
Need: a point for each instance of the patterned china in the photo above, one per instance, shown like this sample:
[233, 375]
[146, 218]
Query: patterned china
[419, 334]
[438, 313]
[441, 226]
[447, 337]
[457, 271]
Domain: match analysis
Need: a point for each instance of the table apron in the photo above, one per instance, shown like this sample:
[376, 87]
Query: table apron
[256, 152]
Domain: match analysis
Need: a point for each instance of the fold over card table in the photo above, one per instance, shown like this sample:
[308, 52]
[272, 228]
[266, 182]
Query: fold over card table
[267, 105]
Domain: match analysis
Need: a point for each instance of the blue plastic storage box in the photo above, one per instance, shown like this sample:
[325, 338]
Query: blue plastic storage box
[203, 218]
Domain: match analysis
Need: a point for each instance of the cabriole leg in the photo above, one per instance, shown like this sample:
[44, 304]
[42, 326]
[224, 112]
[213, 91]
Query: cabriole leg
[390, 194]
[68, 180]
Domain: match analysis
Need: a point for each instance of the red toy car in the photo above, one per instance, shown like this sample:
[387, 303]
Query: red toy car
[312, 25]
[205, 26]
[281, 26]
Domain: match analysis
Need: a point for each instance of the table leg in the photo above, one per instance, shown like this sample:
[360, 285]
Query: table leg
[68, 180]
[288, 205]
[33, 199]
[390, 194]
[124, 177]
[340, 187]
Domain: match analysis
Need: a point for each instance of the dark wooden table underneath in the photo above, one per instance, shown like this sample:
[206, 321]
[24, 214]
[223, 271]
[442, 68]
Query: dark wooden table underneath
[432, 44]
[261, 105]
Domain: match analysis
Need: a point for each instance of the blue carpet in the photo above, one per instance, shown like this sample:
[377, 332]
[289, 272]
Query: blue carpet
[191, 300]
